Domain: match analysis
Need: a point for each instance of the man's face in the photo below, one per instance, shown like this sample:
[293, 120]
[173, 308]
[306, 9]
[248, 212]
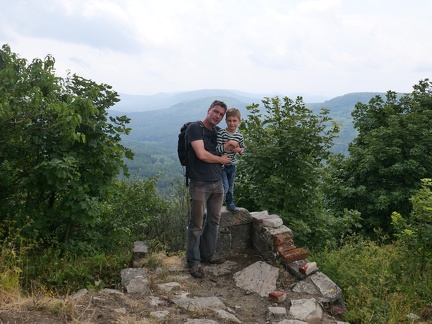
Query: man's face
[215, 115]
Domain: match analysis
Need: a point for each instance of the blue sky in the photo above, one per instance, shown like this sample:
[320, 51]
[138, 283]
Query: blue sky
[320, 47]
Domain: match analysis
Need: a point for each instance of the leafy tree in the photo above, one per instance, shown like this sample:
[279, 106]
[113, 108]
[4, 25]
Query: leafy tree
[414, 231]
[392, 152]
[280, 172]
[59, 152]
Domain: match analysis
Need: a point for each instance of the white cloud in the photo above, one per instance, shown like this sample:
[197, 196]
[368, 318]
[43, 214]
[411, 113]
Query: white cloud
[328, 47]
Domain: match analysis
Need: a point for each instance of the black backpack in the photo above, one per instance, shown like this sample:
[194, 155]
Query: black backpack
[182, 147]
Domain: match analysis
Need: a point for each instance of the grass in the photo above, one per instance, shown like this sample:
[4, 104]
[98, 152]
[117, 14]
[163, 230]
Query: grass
[46, 288]
[382, 283]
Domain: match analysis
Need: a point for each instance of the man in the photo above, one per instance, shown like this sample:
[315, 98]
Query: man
[204, 170]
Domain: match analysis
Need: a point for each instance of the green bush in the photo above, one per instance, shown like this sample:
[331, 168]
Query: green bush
[414, 232]
[380, 284]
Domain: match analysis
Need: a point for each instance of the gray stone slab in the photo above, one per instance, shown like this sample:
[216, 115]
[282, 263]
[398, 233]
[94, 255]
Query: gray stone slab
[200, 321]
[231, 219]
[328, 289]
[259, 277]
[131, 273]
[306, 287]
[307, 310]
[199, 303]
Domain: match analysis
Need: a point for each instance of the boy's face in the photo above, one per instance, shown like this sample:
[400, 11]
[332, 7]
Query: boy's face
[232, 122]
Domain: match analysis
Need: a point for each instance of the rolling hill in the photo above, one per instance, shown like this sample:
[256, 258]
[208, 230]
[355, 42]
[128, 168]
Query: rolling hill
[155, 128]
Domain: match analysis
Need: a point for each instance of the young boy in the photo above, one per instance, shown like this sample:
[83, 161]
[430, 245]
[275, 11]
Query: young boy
[230, 141]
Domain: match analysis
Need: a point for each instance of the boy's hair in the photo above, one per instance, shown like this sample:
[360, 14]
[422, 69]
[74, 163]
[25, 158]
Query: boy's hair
[218, 103]
[233, 112]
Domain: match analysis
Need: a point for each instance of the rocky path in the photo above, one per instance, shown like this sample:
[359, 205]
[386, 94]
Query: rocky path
[173, 296]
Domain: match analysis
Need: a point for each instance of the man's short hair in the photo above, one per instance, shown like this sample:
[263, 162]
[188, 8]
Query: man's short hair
[218, 103]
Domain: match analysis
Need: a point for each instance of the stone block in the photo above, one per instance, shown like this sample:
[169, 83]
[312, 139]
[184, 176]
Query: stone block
[258, 220]
[272, 232]
[132, 273]
[308, 268]
[140, 250]
[241, 237]
[329, 290]
[229, 219]
[294, 267]
[263, 247]
[272, 222]
[276, 313]
[135, 280]
[259, 215]
[223, 247]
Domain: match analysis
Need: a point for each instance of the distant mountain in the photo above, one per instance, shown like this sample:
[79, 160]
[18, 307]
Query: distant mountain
[140, 103]
[155, 131]
[162, 125]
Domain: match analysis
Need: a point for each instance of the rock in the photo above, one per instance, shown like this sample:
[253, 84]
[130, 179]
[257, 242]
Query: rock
[307, 310]
[276, 313]
[259, 277]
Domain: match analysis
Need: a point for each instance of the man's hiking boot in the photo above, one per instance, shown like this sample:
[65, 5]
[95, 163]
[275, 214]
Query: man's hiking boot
[213, 260]
[196, 271]
[232, 208]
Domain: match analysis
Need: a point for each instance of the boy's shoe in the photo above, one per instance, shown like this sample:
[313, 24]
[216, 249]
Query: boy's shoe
[232, 208]
[196, 271]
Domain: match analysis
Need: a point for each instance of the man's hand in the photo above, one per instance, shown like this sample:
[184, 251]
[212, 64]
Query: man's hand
[225, 159]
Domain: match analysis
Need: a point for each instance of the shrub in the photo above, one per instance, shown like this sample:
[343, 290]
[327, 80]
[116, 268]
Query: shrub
[380, 284]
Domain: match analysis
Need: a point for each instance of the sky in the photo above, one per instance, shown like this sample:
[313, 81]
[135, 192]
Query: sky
[141, 47]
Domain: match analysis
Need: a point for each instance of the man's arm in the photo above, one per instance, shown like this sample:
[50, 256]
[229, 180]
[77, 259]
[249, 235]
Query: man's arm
[206, 156]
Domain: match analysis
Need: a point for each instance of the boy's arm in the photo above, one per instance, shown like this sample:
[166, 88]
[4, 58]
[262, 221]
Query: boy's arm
[241, 141]
[224, 145]
[242, 144]
[220, 149]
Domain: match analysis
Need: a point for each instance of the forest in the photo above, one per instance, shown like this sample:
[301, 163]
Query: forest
[67, 182]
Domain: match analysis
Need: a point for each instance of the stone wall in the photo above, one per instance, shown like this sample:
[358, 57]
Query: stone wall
[262, 231]
[274, 241]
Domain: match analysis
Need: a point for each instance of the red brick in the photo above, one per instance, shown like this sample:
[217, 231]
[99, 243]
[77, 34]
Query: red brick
[285, 247]
[294, 255]
[280, 239]
[277, 296]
